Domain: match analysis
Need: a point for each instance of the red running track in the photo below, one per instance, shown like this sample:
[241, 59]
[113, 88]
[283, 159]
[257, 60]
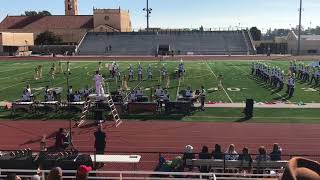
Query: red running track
[167, 136]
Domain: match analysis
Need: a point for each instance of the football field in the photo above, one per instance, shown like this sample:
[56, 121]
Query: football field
[238, 85]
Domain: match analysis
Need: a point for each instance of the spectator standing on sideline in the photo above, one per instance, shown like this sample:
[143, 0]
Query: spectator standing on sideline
[100, 140]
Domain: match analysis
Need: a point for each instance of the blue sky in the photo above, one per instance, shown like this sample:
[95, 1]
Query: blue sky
[189, 13]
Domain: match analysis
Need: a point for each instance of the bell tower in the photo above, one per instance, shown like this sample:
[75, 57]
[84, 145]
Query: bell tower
[71, 7]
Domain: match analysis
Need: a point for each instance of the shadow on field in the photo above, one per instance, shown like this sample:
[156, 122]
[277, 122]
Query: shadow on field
[244, 119]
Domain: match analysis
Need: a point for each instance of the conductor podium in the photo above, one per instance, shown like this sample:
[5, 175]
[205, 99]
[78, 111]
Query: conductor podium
[99, 106]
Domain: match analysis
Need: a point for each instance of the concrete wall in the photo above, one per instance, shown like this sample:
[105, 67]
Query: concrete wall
[67, 35]
[17, 39]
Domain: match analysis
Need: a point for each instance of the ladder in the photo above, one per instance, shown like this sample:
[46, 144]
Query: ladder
[84, 113]
[113, 110]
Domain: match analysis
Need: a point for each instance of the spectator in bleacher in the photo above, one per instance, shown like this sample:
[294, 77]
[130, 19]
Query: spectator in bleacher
[262, 156]
[83, 172]
[204, 154]
[188, 154]
[217, 153]
[231, 153]
[13, 176]
[245, 157]
[55, 174]
[275, 155]
[36, 177]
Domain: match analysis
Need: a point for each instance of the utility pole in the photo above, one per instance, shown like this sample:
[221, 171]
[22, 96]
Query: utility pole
[299, 35]
[148, 11]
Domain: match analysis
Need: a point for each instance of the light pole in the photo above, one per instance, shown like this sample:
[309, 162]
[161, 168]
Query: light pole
[299, 31]
[148, 11]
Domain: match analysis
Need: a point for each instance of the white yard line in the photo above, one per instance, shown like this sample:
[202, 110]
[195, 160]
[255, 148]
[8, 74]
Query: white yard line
[13, 85]
[10, 76]
[222, 85]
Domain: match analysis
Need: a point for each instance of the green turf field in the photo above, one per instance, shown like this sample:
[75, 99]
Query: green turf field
[238, 86]
[238, 83]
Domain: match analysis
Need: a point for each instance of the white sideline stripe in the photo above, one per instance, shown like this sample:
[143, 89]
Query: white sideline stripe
[222, 85]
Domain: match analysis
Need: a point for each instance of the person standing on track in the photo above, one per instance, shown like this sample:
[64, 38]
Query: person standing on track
[100, 140]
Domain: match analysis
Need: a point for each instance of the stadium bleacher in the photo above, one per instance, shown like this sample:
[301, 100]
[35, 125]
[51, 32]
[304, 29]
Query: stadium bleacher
[180, 42]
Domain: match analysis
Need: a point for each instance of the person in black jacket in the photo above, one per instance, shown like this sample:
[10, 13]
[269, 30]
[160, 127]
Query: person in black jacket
[204, 155]
[217, 153]
[100, 140]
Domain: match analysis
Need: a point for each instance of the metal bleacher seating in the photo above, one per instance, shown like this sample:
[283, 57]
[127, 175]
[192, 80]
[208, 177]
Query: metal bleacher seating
[181, 42]
[216, 164]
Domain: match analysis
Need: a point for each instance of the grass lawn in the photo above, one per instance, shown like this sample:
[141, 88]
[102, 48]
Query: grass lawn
[238, 84]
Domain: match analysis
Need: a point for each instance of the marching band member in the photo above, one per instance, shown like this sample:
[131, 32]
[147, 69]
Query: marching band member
[50, 96]
[189, 92]
[52, 73]
[164, 72]
[180, 69]
[291, 85]
[125, 83]
[158, 92]
[99, 66]
[60, 69]
[40, 71]
[110, 68]
[133, 97]
[26, 96]
[167, 81]
[86, 92]
[130, 73]
[149, 71]
[313, 75]
[202, 97]
[77, 97]
[318, 77]
[36, 73]
[139, 72]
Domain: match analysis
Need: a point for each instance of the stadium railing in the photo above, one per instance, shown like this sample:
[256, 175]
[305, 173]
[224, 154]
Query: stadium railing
[70, 174]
